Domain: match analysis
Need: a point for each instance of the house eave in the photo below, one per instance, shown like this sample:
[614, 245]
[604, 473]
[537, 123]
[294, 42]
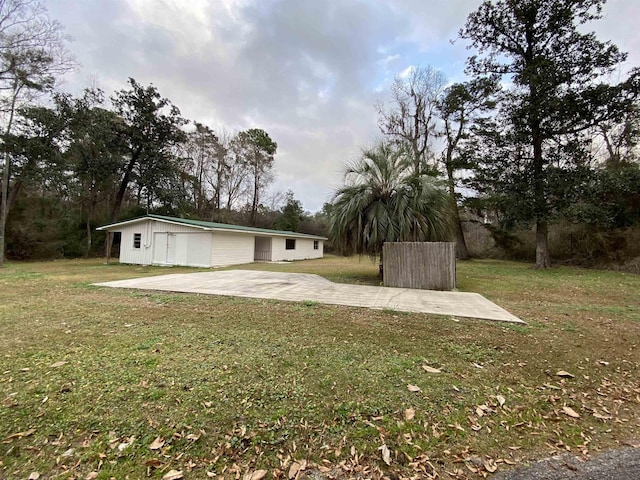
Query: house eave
[239, 230]
[113, 226]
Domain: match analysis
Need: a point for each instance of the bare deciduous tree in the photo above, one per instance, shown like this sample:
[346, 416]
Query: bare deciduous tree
[410, 117]
[32, 57]
[205, 163]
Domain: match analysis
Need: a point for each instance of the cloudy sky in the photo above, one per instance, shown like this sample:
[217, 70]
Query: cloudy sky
[307, 71]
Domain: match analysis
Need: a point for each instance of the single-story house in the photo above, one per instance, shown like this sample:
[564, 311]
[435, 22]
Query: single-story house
[160, 240]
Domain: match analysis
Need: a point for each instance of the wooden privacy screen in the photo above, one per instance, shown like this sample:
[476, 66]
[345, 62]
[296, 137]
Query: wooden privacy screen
[423, 265]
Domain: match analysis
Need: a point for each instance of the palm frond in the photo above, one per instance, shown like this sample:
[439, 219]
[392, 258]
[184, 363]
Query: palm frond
[384, 201]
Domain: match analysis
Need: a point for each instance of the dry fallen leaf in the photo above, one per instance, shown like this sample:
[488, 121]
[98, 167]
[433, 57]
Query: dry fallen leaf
[153, 462]
[564, 374]
[27, 433]
[386, 454]
[413, 388]
[157, 443]
[457, 426]
[67, 453]
[123, 445]
[429, 369]
[91, 476]
[501, 399]
[293, 470]
[409, 413]
[490, 465]
[58, 364]
[601, 417]
[172, 475]
[257, 475]
[34, 476]
[571, 412]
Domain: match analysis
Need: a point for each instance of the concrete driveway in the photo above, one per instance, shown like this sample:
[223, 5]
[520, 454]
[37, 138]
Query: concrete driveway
[298, 287]
[620, 464]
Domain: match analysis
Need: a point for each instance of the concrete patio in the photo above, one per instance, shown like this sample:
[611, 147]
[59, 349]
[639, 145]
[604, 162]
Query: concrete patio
[298, 287]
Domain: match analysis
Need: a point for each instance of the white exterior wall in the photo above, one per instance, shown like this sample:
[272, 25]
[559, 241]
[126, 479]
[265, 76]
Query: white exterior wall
[232, 249]
[303, 251]
[144, 254]
[227, 248]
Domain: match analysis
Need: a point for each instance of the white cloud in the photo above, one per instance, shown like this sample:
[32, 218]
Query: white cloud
[306, 71]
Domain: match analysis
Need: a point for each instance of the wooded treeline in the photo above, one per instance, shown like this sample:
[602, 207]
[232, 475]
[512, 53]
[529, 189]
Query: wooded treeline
[87, 161]
[71, 163]
[540, 138]
[539, 146]
[466, 135]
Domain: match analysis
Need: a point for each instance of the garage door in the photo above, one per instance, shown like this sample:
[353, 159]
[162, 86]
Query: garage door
[190, 249]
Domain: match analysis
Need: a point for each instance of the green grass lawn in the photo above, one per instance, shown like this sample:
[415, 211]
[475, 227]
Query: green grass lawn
[101, 383]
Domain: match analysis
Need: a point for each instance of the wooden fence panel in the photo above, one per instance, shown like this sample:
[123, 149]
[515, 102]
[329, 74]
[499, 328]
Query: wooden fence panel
[423, 265]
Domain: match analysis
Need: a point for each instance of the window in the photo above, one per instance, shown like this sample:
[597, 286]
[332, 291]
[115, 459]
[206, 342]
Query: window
[137, 240]
[290, 244]
[316, 244]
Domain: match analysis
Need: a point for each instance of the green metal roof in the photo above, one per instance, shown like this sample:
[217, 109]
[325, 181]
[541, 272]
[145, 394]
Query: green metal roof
[215, 226]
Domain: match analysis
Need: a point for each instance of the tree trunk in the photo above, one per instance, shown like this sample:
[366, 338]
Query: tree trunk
[540, 202]
[542, 245]
[4, 208]
[107, 246]
[117, 204]
[461, 244]
[254, 204]
[88, 236]
[115, 210]
[4, 196]
[614, 159]
[90, 209]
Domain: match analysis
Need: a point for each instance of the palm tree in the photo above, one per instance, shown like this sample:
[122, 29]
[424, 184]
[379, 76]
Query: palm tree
[383, 200]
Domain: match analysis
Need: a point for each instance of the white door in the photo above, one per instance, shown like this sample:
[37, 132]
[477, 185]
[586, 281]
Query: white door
[164, 248]
[191, 249]
[171, 248]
